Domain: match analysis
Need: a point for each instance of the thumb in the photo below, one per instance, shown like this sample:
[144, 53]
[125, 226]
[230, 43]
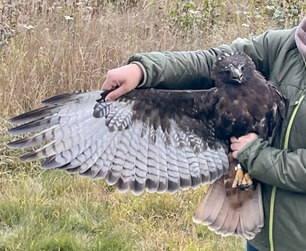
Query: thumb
[116, 93]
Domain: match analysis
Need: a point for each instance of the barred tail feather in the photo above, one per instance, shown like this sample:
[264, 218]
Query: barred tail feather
[240, 213]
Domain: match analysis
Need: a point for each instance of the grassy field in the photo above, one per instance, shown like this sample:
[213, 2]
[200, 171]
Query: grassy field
[49, 47]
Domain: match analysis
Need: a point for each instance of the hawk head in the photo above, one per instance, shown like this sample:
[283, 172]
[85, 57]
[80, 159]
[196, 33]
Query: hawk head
[232, 68]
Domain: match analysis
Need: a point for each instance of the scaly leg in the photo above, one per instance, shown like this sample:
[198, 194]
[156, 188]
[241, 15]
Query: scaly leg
[242, 180]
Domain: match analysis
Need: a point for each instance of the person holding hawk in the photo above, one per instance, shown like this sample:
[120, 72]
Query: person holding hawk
[279, 163]
[231, 116]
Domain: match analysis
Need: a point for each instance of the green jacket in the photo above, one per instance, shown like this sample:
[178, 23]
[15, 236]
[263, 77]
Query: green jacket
[276, 55]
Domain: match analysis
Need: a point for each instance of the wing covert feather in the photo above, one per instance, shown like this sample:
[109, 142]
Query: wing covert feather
[154, 140]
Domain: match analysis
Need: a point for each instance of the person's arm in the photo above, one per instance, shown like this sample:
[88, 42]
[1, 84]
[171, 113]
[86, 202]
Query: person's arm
[274, 166]
[176, 70]
[191, 69]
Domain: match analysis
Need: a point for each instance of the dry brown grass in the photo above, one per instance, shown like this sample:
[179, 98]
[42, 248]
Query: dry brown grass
[60, 55]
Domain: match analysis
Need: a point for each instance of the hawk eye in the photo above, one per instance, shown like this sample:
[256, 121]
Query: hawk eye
[228, 68]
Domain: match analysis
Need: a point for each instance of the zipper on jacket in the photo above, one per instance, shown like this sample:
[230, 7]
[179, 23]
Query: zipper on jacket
[273, 193]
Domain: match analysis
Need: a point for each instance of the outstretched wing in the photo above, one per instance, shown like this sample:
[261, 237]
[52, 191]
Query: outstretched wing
[158, 140]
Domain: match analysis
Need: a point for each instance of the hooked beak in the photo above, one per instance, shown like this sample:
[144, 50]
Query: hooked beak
[236, 75]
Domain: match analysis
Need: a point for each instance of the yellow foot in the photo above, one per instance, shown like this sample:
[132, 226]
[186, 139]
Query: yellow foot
[242, 180]
[238, 176]
[247, 180]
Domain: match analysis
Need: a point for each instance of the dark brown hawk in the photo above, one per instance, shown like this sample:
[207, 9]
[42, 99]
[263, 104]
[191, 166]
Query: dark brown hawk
[162, 140]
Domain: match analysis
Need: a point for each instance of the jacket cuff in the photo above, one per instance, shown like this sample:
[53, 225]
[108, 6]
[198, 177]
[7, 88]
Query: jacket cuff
[144, 72]
[249, 152]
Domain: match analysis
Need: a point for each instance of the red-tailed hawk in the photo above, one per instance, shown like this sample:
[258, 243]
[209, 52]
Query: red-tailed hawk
[162, 140]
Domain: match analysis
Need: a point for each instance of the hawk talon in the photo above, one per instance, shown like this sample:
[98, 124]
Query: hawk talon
[238, 176]
[247, 182]
[242, 180]
[244, 186]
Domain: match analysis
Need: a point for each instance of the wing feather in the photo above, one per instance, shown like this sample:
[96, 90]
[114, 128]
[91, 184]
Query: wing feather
[147, 140]
[159, 140]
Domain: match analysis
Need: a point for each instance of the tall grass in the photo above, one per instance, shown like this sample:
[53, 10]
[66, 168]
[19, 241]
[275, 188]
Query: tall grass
[49, 47]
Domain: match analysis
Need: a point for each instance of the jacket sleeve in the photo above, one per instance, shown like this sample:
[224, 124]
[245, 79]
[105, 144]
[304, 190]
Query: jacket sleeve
[276, 167]
[191, 69]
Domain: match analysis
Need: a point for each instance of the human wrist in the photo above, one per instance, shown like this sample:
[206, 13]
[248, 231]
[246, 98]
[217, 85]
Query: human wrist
[141, 72]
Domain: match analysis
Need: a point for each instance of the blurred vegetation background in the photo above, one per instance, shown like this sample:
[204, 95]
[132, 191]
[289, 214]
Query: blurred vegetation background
[48, 47]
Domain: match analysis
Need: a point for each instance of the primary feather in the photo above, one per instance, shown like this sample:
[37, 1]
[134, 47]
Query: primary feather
[136, 142]
[160, 140]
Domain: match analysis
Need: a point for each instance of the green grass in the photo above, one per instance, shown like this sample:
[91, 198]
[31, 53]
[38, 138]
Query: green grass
[51, 210]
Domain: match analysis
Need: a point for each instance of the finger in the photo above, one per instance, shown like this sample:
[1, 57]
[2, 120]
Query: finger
[235, 154]
[233, 139]
[109, 84]
[235, 146]
[116, 93]
[106, 85]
